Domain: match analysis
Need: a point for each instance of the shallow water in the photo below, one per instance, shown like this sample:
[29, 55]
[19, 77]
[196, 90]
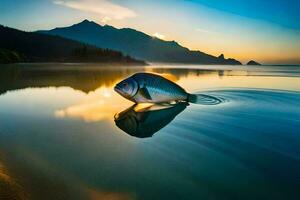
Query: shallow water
[65, 134]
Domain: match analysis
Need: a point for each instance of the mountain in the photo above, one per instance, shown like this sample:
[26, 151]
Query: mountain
[252, 62]
[136, 44]
[20, 46]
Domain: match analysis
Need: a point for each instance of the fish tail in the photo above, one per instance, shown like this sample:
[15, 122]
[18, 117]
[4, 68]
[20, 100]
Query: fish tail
[192, 98]
[204, 99]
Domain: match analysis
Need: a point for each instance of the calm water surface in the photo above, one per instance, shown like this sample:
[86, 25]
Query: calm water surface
[65, 134]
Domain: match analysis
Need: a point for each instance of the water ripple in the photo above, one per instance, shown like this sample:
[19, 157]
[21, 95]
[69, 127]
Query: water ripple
[205, 99]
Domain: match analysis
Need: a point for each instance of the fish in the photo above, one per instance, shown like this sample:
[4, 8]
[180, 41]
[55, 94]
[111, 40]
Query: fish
[145, 122]
[146, 87]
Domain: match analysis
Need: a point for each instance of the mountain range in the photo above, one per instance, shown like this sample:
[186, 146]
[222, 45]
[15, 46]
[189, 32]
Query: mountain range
[20, 46]
[136, 44]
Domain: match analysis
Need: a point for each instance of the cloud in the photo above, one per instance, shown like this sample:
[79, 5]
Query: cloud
[160, 36]
[106, 19]
[105, 9]
[205, 31]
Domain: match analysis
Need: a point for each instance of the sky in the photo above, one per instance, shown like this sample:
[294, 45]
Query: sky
[267, 31]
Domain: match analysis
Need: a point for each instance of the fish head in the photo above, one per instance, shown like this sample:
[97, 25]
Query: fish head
[127, 88]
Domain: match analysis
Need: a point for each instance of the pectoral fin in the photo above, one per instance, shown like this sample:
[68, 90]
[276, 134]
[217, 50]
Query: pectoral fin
[145, 93]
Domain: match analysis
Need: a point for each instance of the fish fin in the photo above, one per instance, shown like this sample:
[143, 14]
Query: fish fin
[144, 92]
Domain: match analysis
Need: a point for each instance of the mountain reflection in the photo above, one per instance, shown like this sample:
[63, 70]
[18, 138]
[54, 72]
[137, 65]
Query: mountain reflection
[84, 78]
[143, 122]
[88, 78]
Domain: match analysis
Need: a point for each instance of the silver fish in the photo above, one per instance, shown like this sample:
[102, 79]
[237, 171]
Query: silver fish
[151, 88]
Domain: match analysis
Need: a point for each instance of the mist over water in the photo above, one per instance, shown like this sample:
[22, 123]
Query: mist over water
[64, 134]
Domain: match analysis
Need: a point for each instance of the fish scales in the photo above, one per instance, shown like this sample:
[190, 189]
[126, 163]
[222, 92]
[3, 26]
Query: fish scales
[159, 88]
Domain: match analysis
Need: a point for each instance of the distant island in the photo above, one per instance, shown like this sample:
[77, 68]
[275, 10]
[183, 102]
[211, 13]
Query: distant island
[19, 46]
[252, 62]
[136, 44]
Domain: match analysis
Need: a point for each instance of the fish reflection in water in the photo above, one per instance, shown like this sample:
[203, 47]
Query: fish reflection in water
[144, 122]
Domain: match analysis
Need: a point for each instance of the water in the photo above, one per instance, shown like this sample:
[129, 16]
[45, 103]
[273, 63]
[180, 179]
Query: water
[65, 134]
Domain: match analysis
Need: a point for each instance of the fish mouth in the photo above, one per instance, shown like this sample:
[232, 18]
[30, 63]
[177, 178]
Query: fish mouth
[118, 89]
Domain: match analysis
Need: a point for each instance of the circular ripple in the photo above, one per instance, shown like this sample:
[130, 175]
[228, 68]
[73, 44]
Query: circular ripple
[204, 99]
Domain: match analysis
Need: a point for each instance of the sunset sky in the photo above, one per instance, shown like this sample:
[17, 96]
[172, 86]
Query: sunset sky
[264, 30]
